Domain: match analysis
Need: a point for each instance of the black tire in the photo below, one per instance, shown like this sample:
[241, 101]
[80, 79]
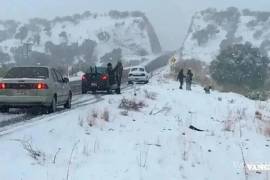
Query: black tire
[68, 103]
[52, 108]
[146, 82]
[130, 82]
[118, 91]
[4, 109]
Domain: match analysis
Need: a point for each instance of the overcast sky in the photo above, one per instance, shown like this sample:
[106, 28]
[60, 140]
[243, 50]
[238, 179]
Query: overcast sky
[170, 18]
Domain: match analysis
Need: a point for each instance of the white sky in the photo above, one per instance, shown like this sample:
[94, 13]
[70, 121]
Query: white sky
[170, 18]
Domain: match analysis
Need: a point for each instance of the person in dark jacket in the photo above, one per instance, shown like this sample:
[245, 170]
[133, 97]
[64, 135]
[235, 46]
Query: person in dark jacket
[189, 77]
[110, 73]
[180, 78]
[118, 70]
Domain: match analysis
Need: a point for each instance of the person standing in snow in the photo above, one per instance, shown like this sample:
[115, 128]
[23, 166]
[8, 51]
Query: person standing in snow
[110, 73]
[189, 77]
[180, 78]
[118, 70]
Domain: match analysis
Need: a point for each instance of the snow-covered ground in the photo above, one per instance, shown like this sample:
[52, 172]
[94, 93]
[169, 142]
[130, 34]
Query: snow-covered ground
[102, 141]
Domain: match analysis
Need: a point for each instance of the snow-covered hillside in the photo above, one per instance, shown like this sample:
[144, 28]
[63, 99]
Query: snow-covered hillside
[212, 30]
[81, 37]
[151, 140]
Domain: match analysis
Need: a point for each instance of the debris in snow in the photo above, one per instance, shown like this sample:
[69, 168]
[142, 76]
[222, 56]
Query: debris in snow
[166, 109]
[34, 153]
[194, 128]
[231, 101]
[124, 113]
[131, 104]
[157, 145]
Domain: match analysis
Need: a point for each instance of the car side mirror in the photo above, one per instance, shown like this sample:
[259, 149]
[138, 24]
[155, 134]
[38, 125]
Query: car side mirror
[65, 80]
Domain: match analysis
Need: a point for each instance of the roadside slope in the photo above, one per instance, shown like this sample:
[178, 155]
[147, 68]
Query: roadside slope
[104, 141]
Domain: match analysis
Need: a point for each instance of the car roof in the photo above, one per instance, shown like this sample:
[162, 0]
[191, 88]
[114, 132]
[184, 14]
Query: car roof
[32, 67]
[137, 67]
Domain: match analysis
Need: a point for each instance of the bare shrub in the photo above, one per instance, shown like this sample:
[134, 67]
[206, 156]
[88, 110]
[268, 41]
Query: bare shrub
[131, 104]
[80, 121]
[150, 95]
[95, 118]
[70, 158]
[229, 125]
[263, 123]
[258, 115]
[92, 118]
[142, 159]
[94, 114]
[32, 152]
[267, 130]
[106, 115]
[86, 150]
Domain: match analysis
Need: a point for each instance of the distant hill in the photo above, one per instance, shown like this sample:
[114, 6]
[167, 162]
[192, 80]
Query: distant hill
[212, 30]
[81, 38]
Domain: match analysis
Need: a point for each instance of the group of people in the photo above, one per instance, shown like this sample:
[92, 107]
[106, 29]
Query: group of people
[188, 77]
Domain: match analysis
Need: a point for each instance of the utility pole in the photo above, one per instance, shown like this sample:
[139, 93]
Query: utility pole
[28, 49]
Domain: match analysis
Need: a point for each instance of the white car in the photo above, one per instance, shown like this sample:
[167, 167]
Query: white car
[138, 74]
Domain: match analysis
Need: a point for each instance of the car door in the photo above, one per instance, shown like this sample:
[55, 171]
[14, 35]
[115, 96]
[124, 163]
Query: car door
[58, 86]
[64, 90]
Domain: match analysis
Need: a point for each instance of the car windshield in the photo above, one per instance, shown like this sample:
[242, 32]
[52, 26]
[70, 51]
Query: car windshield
[28, 72]
[137, 69]
[134, 69]
[99, 70]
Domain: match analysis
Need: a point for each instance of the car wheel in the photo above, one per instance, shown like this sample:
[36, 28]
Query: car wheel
[109, 91]
[118, 91]
[146, 82]
[53, 106]
[4, 109]
[68, 103]
[130, 82]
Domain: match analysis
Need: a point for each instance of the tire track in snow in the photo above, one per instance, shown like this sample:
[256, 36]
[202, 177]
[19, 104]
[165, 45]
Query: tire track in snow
[14, 124]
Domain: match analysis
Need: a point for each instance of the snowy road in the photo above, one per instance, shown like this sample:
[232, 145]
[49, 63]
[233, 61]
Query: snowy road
[18, 118]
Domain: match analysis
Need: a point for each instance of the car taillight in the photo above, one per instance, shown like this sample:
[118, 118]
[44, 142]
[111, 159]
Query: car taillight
[41, 86]
[104, 77]
[2, 86]
[83, 77]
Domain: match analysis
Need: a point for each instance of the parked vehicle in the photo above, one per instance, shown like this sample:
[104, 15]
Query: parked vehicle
[98, 79]
[138, 74]
[26, 87]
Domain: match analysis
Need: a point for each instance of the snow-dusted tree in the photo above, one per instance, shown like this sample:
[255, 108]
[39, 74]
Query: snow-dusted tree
[4, 57]
[240, 64]
[22, 34]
